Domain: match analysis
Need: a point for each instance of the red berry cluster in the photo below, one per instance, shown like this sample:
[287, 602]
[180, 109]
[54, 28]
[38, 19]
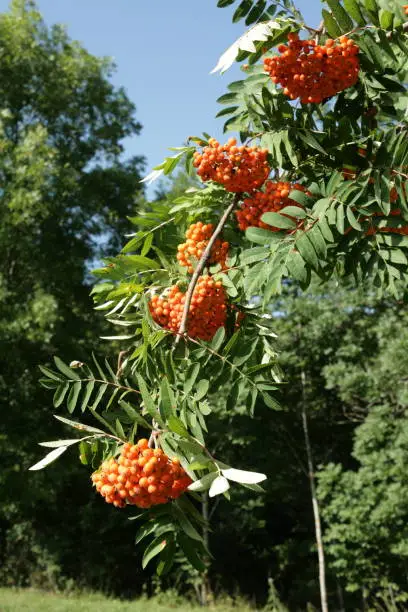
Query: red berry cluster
[239, 169]
[207, 312]
[314, 72]
[141, 476]
[197, 237]
[273, 199]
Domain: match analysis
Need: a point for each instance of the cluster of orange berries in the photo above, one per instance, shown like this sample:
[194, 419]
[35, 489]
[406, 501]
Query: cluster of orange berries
[405, 7]
[141, 476]
[197, 237]
[314, 72]
[273, 199]
[238, 168]
[207, 312]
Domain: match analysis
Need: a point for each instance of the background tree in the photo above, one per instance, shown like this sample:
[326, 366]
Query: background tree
[65, 194]
[365, 508]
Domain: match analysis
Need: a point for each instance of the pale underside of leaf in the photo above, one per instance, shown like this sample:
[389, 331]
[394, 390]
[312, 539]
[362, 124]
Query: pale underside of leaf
[260, 31]
[52, 456]
[219, 485]
[152, 176]
[243, 476]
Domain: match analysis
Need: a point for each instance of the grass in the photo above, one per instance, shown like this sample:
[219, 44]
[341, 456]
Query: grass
[30, 600]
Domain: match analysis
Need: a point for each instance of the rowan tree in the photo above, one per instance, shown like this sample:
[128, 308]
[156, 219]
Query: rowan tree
[314, 186]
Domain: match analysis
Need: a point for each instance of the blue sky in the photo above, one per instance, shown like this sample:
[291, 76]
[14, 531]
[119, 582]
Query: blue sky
[164, 52]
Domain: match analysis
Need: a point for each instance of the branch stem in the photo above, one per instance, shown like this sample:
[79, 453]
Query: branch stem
[200, 267]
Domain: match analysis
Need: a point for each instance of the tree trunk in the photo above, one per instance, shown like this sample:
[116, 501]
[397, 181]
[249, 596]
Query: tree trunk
[204, 587]
[315, 503]
[340, 597]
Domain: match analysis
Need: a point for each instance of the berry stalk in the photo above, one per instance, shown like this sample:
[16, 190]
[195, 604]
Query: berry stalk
[200, 267]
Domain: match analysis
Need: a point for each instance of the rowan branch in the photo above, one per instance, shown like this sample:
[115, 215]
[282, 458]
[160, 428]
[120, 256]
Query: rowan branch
[200, 267]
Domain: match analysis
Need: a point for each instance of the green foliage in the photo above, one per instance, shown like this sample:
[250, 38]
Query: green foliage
[365, 508]
[65, 195]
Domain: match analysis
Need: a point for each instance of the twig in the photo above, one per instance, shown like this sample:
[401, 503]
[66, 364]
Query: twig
[120, 362]
[153, 229]
[200, 267]
[153, 436]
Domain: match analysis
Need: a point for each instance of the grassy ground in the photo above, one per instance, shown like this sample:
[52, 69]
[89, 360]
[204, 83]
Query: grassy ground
[29, 600]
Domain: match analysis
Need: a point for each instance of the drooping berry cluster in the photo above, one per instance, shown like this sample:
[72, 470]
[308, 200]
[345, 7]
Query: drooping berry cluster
[273, 199]
[141, 476]
[197, 237]
[405, 7]
[207, 312]
[238, 168]
[314, 72]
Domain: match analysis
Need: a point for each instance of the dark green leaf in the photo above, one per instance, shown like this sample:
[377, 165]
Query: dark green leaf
[176, 425]
[148, 402]
[352, 219]
[191, 377]
[166, 557]
[99, 395]
[341, 16]
[153, 549]
[87, 395]
[271, 402]
[202, 389]
[66, 370]
[294, 211]
[331, 24]
[297, 267]
[191, 553]
[340, 219]
[311, 141]
[307, 250]
[50, 373]
[243, 8]
[260, 235]
[277, 220]
[186, 524]
[218, 339]
[133, 414]
[255, 12]
[353, 8]
[167, 399]
[60, 394]
[73, 396]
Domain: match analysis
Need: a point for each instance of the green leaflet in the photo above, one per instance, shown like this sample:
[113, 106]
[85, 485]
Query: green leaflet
[277, 220]
[353, 9]
[66, 370]
[331, 24]
[242, 10]
[255, 12]
[167, 399]
[73, 396]
[342, 17]
[307, 251]
[153, 549]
